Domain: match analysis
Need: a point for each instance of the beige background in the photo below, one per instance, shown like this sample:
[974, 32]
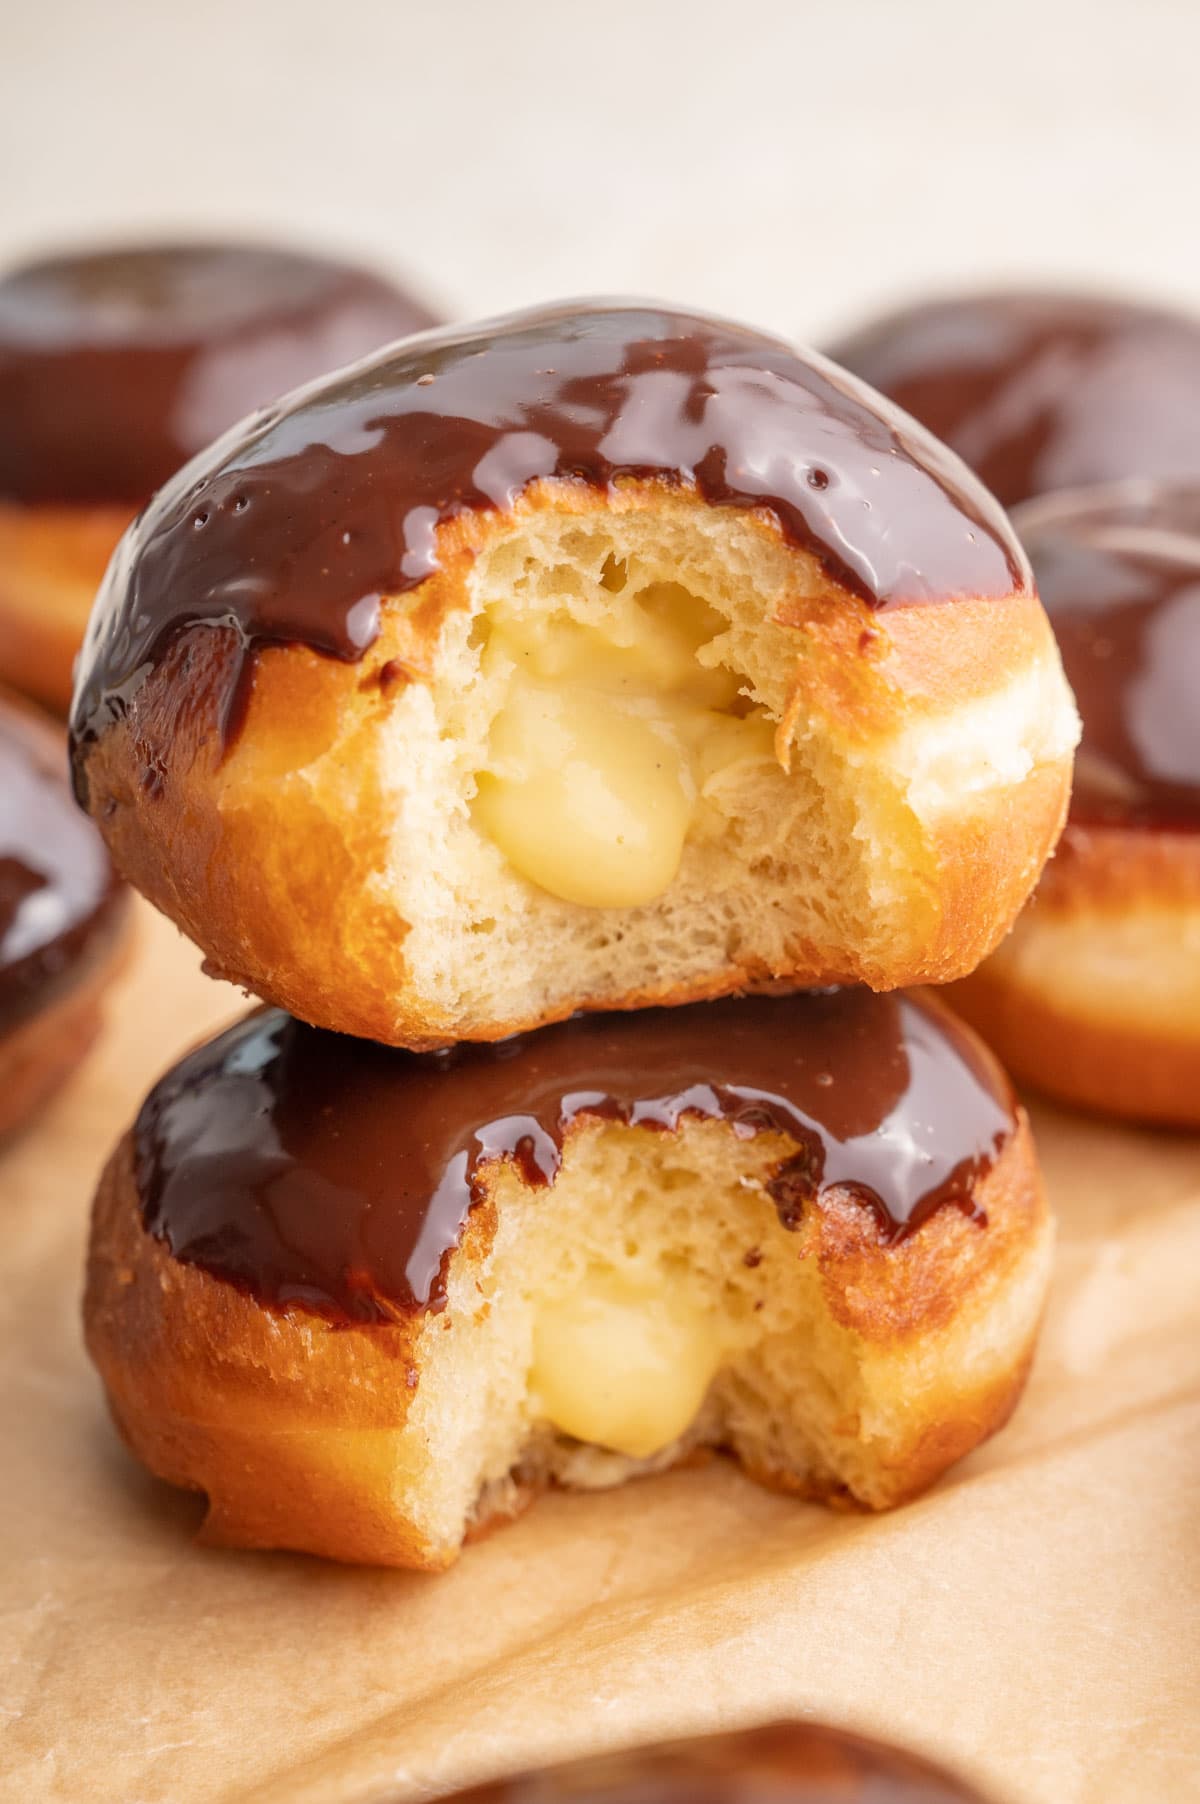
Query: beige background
[791, 163]
[1034, 1619]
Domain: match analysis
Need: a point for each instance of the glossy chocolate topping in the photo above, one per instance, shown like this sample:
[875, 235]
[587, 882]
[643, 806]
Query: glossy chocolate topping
[330, 1172]
[117, 366]
[293, 527]
[1043, 391]
[777, 1764]
[1119, 571]
[59, 900]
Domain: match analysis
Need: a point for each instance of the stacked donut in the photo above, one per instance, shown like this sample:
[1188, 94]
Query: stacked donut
[1081, 414]
[576, 729]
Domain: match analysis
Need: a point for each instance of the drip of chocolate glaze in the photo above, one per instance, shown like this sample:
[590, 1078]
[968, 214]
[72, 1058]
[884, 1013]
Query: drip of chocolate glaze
[59, 898]
[117, 366]
[1042, 391]
[318, 1170]
[1119, 571]
[777, 1763]
[294, 527]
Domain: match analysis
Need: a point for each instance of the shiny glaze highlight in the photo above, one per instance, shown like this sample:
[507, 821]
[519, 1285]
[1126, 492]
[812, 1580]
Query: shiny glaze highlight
[335, 1174]
[1042, 391]
[1119, 572]
[293, 528]
[117, 366]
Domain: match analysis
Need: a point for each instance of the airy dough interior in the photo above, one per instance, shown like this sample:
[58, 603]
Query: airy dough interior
[592, 643]
[613, 741]
[651, 1301]
[630, 754]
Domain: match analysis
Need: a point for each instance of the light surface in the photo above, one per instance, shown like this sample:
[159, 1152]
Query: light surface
[793, 163]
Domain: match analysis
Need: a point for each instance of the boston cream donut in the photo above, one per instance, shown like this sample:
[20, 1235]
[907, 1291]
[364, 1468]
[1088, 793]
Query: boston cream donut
[63, 918]
[592, 657]
[368, 1299]
[116, 366]
[778, 1763]
[1095, 995]
[1042, 391]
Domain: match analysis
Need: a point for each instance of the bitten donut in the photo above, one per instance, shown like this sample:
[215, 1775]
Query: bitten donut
[592, 657]
[1042, 391]
[368, 1300]
[118, 365]
[1095, 995]
[778, 1763]
[63, 917]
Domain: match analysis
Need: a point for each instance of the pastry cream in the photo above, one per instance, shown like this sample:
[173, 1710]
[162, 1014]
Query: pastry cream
[621, 1365]
[605, 742]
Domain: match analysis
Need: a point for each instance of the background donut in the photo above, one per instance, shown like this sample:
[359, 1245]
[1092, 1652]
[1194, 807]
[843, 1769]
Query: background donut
[117, 366]
[1095, 995]
[64, 918]
[779, 1763]
[1040, 391]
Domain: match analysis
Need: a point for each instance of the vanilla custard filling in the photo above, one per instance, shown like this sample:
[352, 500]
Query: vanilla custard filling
[607, 742]
[622, 1365]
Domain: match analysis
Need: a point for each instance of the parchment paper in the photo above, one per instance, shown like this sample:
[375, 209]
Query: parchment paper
[1034, 1620]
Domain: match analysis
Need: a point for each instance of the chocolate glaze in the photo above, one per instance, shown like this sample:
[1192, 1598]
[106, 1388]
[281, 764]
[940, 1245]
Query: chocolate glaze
[59, 900]
[1042, 391]
[328, 1172]
[1119, 571]
[292, 528]
[117, 366]
[779, 1763]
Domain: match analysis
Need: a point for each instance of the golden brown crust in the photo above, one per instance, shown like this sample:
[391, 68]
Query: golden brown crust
[51, 561]
[269, 883]
[41, 1051]
[941, 1445]
[902, 1292]
[1112, 1070]
[264, 1409]
[920, 662]
[1119, 1035]
[215, 1393]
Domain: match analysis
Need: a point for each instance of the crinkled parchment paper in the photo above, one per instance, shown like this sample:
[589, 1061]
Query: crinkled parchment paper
[1036, 1620]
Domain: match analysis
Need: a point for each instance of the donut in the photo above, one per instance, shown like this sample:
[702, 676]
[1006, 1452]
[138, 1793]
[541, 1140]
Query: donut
[598, 656]
[63, 918]
[369, 1301]
[776, 1763]
[1095, 995]
[1042, 391]
[116, 367]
